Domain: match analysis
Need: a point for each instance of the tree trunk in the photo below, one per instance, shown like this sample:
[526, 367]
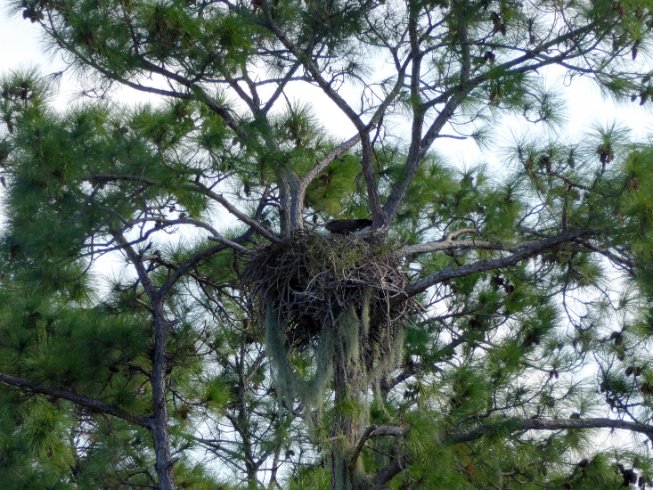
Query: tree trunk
[163, 463]
[242, 420]
[159, 429]
[350, 413]
[291, 196]
[347, 429]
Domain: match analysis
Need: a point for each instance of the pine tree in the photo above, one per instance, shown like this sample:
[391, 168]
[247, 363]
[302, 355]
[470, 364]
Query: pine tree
[176, 314]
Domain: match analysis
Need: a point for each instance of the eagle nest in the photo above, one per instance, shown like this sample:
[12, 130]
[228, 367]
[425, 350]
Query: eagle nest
[311, 283]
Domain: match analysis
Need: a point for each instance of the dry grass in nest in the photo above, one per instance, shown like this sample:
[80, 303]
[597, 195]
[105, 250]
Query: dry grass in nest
[310, 280]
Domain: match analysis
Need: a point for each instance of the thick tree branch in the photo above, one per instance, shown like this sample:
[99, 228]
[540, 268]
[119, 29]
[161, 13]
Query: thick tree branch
[509, 425]
[448, 244]
[375, 431]
[339, 150]
[280, 88]
[413, 159]
[362, 128]
[514, 425]
[103, 178]
[526, 251]
[390, 471]
[160, 433]
[79, 400]
[238, 214]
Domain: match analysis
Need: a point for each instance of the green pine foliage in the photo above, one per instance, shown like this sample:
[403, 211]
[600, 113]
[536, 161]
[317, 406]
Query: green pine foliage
[490, 328]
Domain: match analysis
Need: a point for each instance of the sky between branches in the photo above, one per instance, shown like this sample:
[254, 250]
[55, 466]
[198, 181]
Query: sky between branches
[21, 47]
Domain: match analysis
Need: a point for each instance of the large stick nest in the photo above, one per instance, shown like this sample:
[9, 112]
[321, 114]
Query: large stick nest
[310, 280]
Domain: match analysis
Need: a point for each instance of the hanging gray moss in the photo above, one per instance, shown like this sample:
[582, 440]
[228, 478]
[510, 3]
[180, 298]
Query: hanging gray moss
[326, 295]
[289, 382]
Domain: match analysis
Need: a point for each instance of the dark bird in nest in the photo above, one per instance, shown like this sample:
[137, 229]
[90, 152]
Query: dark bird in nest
[344, 226]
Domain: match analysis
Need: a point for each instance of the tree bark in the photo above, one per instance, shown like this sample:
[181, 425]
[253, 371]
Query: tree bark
[291, 201]
[159, 431]
[350, 414]
[159, 428]
[347, 429]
